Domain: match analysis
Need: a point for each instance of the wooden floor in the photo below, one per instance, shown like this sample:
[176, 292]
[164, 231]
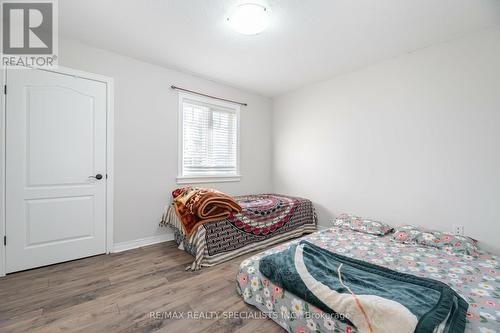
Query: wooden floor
[117, 292]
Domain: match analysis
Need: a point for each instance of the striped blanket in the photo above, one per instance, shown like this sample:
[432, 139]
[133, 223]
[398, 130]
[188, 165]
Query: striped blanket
[265, 219]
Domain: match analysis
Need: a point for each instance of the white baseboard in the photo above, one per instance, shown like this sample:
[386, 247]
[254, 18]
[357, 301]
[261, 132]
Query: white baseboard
[322, 227]
[133, 244]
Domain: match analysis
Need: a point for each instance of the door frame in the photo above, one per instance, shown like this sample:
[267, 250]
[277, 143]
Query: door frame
[109, 153]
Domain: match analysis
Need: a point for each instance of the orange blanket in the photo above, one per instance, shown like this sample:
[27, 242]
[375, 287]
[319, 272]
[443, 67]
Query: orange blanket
[196, 206]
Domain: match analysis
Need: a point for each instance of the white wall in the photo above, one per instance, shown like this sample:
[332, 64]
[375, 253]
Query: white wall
[415, 139]
[146, 135]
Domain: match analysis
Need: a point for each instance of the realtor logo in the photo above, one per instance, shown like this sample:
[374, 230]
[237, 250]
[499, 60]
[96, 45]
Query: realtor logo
[29, 33]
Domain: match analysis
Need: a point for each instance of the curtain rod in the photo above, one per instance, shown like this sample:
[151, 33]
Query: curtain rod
[201, 94]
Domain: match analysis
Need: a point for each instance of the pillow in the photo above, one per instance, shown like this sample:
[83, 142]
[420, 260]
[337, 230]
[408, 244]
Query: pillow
[438, 239]
[363, 225]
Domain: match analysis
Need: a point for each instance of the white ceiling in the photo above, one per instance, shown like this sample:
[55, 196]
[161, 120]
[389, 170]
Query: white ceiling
[307, 41]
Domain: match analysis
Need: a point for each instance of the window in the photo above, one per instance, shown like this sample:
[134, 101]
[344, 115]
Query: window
[208, 140]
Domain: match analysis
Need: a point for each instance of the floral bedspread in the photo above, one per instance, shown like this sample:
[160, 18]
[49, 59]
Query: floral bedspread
[477, 280]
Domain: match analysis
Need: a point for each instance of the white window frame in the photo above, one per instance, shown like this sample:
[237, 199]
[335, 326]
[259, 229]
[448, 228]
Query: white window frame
[182, 179]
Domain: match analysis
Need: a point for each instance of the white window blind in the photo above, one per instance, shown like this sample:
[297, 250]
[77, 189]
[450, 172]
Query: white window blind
[209, 139]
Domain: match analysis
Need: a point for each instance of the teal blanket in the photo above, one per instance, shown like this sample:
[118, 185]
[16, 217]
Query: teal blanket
[435, 306]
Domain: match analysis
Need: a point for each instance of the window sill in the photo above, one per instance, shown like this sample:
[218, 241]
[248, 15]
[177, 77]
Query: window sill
[207, 179]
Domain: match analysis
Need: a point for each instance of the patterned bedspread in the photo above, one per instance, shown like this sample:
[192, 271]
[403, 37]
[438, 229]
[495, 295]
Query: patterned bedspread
[265, 219]
[477, 280]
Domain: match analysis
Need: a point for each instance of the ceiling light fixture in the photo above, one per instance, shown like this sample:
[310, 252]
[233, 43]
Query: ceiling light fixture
[249, 18]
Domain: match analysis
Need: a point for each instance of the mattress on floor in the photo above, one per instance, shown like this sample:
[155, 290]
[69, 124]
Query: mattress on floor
[477, 280]
[265, 220]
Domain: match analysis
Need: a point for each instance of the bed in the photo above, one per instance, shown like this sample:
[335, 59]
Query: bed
[265, 220]
[477, 280]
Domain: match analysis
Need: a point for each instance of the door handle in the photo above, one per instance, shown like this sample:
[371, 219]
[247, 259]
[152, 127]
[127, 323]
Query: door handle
[98, 176]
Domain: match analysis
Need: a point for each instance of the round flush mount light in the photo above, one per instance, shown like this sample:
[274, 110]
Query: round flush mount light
[249, 18]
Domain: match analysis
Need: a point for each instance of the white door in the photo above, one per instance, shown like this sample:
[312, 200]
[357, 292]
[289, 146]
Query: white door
[55, 145]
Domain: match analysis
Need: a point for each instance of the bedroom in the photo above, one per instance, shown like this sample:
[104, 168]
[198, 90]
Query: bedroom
[298, 112]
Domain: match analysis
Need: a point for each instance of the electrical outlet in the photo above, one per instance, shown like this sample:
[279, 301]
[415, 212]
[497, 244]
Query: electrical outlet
[458, 229]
